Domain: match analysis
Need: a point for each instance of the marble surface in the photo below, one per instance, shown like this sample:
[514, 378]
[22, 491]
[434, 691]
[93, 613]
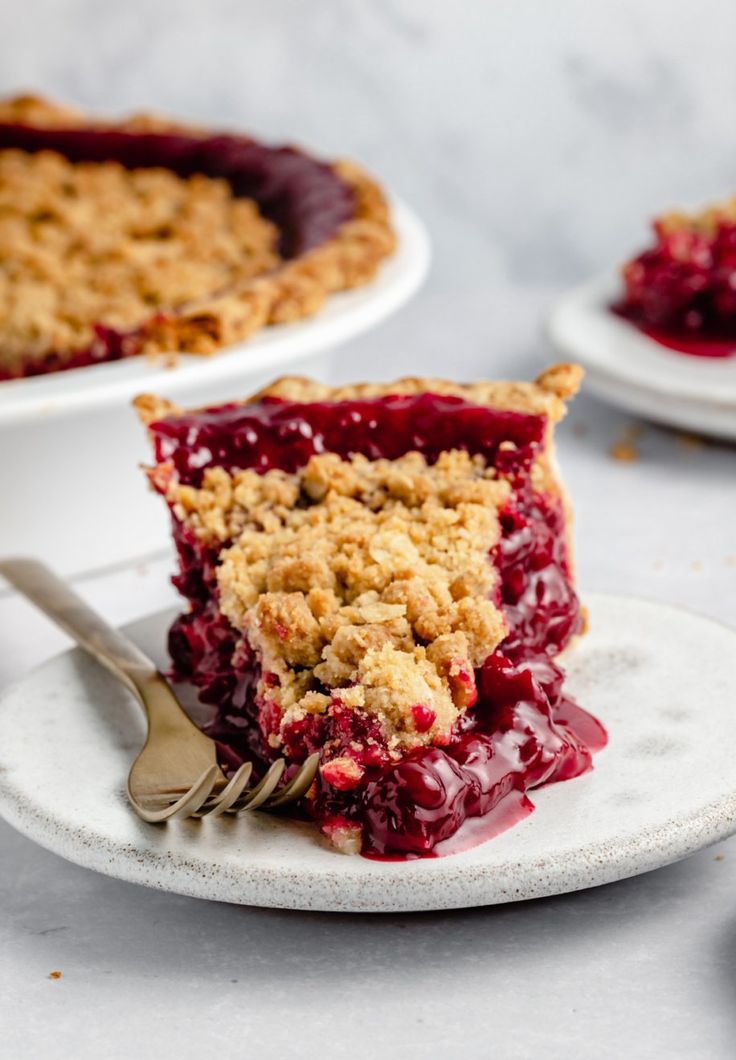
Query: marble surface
[534, 139]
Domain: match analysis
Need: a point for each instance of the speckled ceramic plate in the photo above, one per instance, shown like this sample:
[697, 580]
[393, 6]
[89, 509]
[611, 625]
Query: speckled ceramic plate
[630, 369]
[662, 680]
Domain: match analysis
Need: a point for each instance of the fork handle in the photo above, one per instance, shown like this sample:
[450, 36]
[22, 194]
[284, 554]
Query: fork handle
[64, 607]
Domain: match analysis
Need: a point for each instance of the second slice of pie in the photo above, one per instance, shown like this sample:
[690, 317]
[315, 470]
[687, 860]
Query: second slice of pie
[382, 574]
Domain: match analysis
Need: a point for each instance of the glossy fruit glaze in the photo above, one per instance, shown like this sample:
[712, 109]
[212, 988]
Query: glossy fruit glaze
[281, 434]
[109, 345]
[682, 291]
[305, 198]
[522, 730]
[697, 344]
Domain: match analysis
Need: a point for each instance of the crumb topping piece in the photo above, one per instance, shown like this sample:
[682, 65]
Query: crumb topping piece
[94, 243]
[361, 583]
[704, 222]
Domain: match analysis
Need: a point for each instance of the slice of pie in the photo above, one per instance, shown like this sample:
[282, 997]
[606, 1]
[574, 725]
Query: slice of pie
[383, 574]
[682, 289]
[151, 237]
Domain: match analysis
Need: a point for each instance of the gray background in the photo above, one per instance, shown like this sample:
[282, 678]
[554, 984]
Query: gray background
[534, 136]
[535, 139]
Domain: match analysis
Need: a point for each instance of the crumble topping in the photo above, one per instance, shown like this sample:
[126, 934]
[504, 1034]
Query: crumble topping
[360, 583]
[703, 222]
[94, 243]
[220, 315]
[626, 449]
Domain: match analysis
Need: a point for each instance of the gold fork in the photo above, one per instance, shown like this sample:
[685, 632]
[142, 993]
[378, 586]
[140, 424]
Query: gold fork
[177, 773]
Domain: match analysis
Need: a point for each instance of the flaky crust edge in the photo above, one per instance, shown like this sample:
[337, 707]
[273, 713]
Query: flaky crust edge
[295, 290]
[546, 396]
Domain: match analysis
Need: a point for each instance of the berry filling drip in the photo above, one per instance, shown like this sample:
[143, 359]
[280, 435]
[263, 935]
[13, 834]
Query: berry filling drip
[517, 730]
[682, 291]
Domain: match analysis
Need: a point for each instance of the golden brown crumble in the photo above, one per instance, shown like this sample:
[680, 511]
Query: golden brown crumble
[344, 836]
[703, 222]
[231, 312]
[626, 449]
[370, 579]
[89, 243]
[624, 452]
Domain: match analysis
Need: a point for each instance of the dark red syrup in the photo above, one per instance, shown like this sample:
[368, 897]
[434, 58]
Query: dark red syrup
[695, 343]
[521, 732]
[509, 811]
[284, 434]
[108, 345]
[305, 198]
[681, 291]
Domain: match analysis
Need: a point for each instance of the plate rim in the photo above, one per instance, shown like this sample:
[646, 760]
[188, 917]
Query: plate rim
[590, 300]
[673, 839]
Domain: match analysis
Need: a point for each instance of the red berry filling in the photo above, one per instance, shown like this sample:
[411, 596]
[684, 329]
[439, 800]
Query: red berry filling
[424, 717]
[682, 291]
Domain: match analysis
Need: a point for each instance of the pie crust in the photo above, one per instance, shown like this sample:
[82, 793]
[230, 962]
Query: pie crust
[342, 234]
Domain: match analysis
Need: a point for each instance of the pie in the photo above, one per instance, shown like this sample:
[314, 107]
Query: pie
[682, 290]
[152, 237]
[381, 573]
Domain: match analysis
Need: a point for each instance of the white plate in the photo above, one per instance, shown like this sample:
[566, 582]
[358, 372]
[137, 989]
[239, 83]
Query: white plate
[72, 444]
[632, 370]
[662, 680]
